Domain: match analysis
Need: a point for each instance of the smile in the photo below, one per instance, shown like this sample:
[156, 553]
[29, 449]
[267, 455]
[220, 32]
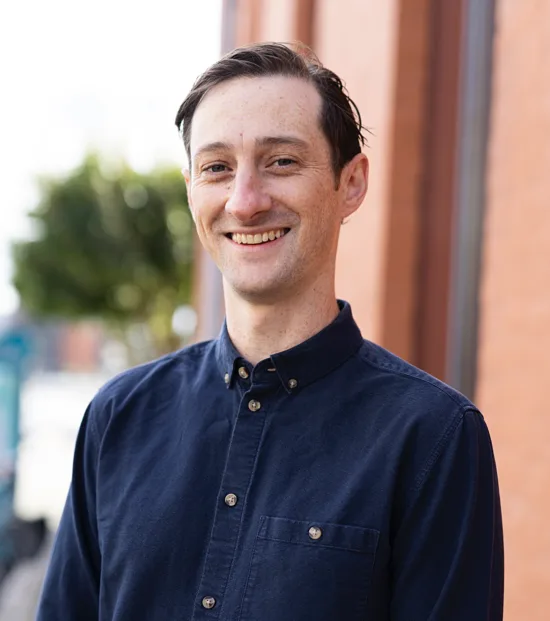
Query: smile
[257, 238]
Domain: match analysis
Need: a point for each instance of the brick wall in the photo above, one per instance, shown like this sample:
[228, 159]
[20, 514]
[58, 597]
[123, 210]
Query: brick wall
[514, 353]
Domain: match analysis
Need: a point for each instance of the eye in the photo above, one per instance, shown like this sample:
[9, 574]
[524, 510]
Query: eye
[215, 168]
[283, 162]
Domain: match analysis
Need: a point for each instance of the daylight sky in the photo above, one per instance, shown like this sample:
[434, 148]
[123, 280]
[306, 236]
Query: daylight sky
[76, 75]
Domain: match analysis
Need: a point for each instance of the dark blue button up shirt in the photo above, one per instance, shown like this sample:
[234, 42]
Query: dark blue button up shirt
[330, 482]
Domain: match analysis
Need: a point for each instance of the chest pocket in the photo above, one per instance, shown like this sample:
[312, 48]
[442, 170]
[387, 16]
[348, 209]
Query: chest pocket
[309, 571]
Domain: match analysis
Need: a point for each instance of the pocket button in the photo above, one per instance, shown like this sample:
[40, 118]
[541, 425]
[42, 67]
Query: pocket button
[315, 532]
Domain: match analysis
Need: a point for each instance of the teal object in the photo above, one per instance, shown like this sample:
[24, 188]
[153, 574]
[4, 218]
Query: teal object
[9, 412]
[14, 351]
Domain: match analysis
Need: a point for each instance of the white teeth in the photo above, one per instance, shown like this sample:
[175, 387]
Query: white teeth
[257, 238]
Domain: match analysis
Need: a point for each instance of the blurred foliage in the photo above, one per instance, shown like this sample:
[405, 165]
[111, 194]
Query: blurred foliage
[113, 245]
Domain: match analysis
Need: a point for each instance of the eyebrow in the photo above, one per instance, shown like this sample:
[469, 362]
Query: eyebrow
[212, 146]
[282, 141]
[265, 141]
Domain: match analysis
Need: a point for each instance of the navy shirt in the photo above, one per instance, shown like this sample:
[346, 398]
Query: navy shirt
[330, 482]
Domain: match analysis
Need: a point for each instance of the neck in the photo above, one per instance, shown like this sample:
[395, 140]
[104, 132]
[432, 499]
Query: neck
[260, 329]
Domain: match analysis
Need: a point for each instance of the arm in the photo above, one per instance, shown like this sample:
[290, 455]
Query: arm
[71, 585]
[447, 561]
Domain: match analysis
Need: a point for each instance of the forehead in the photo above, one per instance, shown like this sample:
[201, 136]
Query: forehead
[244, 109]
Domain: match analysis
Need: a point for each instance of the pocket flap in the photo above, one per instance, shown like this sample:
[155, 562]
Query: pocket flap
[325, 534]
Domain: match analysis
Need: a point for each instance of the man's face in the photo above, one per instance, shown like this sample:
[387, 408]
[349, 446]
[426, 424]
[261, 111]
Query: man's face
[262, 189]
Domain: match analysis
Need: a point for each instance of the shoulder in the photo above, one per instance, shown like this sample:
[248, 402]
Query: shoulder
[163, 376]
[408, 381]
[421, 413]
[425, 420]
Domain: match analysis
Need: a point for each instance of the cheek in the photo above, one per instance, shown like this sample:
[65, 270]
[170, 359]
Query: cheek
[320, 205]
[205, 203]
[324, 223]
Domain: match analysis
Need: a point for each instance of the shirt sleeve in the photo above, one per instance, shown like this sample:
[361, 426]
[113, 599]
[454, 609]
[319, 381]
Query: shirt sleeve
[447, 559]
[71, 586]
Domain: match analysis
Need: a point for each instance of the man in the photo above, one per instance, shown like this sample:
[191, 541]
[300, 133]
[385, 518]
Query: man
[289, 470]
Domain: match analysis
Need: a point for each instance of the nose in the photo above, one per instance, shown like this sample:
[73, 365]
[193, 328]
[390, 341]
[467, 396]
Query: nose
[248, 197]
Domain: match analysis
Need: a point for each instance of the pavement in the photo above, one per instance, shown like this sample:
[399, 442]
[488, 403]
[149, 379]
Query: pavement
[20, 590]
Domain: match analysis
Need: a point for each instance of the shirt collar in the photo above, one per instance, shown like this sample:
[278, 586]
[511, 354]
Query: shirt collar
[305, 363]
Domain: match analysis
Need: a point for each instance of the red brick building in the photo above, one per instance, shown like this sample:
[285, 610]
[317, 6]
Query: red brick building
[448, 261]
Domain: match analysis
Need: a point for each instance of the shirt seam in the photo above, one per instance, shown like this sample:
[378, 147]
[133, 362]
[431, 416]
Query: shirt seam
[437, 451]
[93, 428]
[420, 377]
[328, 546]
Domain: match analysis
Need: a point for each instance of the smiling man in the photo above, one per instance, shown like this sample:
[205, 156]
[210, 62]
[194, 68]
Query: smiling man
[288, 470]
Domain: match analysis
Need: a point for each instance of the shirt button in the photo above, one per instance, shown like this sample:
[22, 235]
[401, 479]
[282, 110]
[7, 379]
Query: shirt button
[243, 372]
[254, 405]
[208, 602]
[292, 383]
[315, 532]
[230, 500]
[226, 378]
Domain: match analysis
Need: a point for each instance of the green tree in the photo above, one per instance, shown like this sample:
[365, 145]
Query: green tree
[114, 246]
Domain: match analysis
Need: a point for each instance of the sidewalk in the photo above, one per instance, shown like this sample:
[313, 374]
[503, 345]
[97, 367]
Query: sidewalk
[21, 589]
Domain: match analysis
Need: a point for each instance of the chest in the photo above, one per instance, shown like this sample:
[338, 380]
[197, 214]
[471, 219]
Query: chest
[257, 502]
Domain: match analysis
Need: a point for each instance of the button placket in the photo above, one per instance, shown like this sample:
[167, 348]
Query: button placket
[226, 529]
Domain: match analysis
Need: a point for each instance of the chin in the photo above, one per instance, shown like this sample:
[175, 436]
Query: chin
[261, 292]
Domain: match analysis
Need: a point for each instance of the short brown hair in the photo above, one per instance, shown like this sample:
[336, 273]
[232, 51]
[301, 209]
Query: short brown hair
[340, 118]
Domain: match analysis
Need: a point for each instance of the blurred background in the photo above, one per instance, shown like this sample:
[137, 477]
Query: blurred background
[447, 263]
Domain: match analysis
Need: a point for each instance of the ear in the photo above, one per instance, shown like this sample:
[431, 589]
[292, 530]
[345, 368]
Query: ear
[355, 177]
[187, 177]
